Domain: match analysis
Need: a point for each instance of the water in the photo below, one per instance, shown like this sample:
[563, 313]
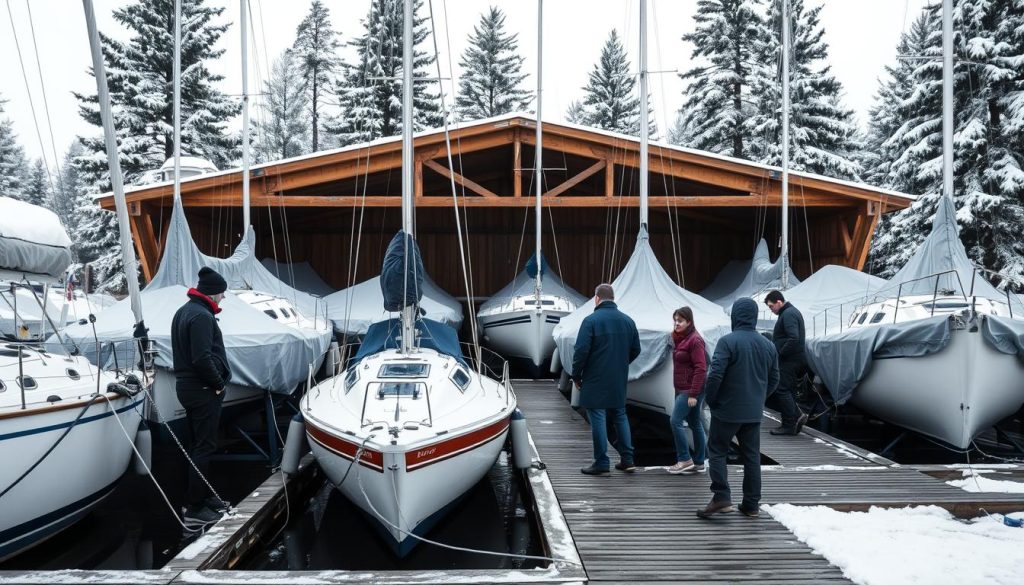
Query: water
[331, 533]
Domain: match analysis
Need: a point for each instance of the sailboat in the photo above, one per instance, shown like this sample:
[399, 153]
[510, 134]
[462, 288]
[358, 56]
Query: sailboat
[938, 352]
[67, 428]
[645, 292]
[409, 426]
[518, 320]
[275, 336]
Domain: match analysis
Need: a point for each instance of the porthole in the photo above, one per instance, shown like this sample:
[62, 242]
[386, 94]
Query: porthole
[27, 383]
[270, 313]
[73, 374]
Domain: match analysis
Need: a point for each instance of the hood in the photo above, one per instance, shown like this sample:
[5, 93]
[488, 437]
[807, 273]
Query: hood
[744, 314]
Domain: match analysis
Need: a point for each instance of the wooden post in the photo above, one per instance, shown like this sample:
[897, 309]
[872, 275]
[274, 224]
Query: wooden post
[517, 165]
[609, 178]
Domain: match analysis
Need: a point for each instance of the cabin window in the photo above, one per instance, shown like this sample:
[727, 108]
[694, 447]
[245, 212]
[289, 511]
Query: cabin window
[946, 305]
[3, 387]
[398, 389]
[27, 382]
[877, 318]
[73, 374]
[863, 317]
[460, 378]
[351, 378]
[285, 312]
[270, 313]
[404, 370]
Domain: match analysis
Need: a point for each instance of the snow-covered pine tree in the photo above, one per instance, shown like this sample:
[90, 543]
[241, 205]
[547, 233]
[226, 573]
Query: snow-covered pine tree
[718, 98]
[37, 187]
[13, 166]
[139, 76]
[68, 186]
[823, 137]
[316, 50]
[576, 113]
[285, 121]
[610, 101]
[491, 77]
[370, 94]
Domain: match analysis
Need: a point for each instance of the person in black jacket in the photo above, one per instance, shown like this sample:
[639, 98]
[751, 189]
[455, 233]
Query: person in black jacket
[788, 337]
[744, 370]
[202, 370]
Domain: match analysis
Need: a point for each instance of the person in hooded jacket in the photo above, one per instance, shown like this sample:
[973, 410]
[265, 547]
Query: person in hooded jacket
[744, 370]
[607, 343]
[689, 368]
[202, 371]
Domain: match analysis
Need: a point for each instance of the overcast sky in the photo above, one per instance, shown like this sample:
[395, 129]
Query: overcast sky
[862, 37]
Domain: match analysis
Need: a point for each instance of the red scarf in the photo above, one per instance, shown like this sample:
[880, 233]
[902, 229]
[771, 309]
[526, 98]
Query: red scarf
[677, 337]
[195, 294]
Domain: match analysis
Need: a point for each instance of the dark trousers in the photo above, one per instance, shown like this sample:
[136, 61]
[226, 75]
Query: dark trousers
[749, 437]
[789, 375]
[600, 418]
[202, 416]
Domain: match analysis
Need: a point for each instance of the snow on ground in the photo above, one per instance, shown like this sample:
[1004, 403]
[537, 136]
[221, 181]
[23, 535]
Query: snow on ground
[923, 544]
[974, 482]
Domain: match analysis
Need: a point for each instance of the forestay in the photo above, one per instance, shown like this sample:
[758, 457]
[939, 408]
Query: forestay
[645, 292]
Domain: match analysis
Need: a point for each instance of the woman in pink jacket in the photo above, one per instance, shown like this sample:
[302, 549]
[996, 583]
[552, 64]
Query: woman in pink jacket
[689, 360]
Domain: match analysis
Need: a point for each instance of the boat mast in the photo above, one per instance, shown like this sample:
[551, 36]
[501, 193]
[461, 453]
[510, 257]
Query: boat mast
[131, 267]
[784, 254]
[643, 115]
[538, 169]
[947, 99]
[245, 116]
[177, 101]
[407, 164]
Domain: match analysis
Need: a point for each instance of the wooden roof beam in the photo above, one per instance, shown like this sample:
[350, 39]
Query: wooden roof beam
[504, 201]
[468, 184]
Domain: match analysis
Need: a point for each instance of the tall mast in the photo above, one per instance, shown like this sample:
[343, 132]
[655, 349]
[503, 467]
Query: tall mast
[176, 99]
[245, 115]
[784, 254]
[407, 162]
[131, 267]
[947, 98]
[643, 114]
[538, 169]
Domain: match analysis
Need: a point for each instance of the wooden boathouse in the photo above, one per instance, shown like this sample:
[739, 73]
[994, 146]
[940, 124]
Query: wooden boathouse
[337, 209]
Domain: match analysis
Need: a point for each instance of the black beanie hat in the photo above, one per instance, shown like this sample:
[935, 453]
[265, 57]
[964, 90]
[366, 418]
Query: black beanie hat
[211, 283]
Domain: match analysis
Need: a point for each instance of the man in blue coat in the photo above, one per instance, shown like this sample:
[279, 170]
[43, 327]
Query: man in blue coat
[606, 344]
[744, 370]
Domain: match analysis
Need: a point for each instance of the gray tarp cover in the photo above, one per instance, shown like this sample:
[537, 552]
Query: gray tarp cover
[523, 284]
[263, 353]
[298, 275]
[32, 240]
[1004, 334]
[647, 294]
[843, 359]
[747, 278]
[831, 295]
[357, 307]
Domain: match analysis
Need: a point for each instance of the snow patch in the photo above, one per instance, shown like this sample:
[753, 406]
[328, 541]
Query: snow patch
[215, 537]
[923, 544]
[978, 484]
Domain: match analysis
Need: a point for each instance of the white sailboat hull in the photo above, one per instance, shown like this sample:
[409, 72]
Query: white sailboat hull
[654, 392]
[951, 395]
[525, 335]
[76, 476]
[407, 489]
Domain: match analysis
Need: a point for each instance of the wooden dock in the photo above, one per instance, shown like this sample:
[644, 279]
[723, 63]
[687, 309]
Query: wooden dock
[642, 527]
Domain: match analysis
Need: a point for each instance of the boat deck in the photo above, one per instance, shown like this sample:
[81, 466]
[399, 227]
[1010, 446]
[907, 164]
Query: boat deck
[642, 527]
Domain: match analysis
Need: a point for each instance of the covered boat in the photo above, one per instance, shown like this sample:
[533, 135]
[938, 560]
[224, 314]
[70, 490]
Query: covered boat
[299, 275]
[749, 278]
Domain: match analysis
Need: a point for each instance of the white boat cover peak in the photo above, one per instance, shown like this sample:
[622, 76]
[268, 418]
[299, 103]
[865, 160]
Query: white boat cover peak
[747, 278]
[32, 240]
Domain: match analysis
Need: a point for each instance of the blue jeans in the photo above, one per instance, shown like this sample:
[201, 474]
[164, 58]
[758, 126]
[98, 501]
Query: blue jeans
[748, 435]
[599, 432]
[683, 412]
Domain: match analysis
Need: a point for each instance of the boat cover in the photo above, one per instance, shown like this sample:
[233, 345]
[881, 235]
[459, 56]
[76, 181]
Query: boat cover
[1004, 334]
[298, 275]
[263, 352]
[32, 240]
[843, 359]
[831, 295]
[430, 334]
[645, 292]
[524, 283]
[401, 278]
[747, 278]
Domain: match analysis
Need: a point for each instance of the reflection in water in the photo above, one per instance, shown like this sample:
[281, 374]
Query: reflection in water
[332, 533]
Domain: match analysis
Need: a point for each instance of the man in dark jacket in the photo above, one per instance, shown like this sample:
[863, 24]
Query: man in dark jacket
[744, 370]
[202, 370]
[606, 344]
[789, 343]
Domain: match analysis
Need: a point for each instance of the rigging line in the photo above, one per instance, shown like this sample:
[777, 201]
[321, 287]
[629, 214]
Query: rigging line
[807, 229]
[46, 101]
[554, 240]
[28, 93]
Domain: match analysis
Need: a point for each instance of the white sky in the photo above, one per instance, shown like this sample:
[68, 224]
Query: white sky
[862, 37]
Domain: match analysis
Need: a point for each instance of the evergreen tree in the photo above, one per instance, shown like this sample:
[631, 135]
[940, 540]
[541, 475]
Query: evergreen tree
[283, 132]
[140, 80]
[610, 101]
[12, 159]
[37, 187]
[316, 49]
[576, 113]
[489, 85]
[821, 131]
[718, 98]
[68, 188]
[370, 94]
